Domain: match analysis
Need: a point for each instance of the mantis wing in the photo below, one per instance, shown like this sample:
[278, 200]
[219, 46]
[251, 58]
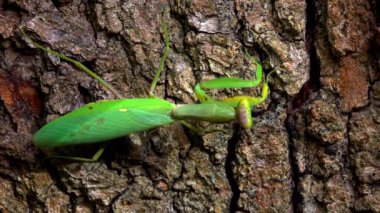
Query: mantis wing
[104, 120]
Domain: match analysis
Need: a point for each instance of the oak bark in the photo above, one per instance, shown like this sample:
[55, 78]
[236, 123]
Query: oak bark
[314, 146]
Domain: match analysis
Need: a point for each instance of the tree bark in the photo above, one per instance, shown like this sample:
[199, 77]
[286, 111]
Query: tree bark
[314, 145]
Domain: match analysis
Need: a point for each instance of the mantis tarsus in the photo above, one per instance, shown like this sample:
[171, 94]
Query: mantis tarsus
[109, 119]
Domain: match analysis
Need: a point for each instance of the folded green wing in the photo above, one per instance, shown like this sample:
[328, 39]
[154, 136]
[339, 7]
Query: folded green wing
[104, 120]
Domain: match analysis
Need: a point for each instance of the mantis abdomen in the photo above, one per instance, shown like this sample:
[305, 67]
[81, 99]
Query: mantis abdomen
[105, 120]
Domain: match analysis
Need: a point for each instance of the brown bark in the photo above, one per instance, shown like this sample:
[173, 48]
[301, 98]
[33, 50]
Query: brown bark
[314, 146]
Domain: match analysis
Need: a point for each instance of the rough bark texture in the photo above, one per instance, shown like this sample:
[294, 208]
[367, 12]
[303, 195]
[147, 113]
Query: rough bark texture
[314, 146]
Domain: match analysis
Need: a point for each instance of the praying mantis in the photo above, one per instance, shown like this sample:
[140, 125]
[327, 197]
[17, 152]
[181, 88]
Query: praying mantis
[109, 119]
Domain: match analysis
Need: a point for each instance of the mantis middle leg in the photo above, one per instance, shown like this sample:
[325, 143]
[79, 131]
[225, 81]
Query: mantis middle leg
[94, 158]
[163, 59]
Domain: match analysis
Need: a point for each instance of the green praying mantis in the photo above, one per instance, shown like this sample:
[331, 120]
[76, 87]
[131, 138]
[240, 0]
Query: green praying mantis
[110, 119]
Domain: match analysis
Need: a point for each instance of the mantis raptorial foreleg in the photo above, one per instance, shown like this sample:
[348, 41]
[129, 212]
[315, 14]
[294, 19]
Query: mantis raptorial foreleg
[225, 83]
[243, 104]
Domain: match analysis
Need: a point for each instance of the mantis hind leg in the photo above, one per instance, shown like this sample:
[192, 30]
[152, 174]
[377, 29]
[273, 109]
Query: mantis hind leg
[94, 158]
[77, 64]
[98, 78]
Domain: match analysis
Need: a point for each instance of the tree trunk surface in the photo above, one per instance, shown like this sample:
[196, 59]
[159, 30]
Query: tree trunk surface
[314, 145]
